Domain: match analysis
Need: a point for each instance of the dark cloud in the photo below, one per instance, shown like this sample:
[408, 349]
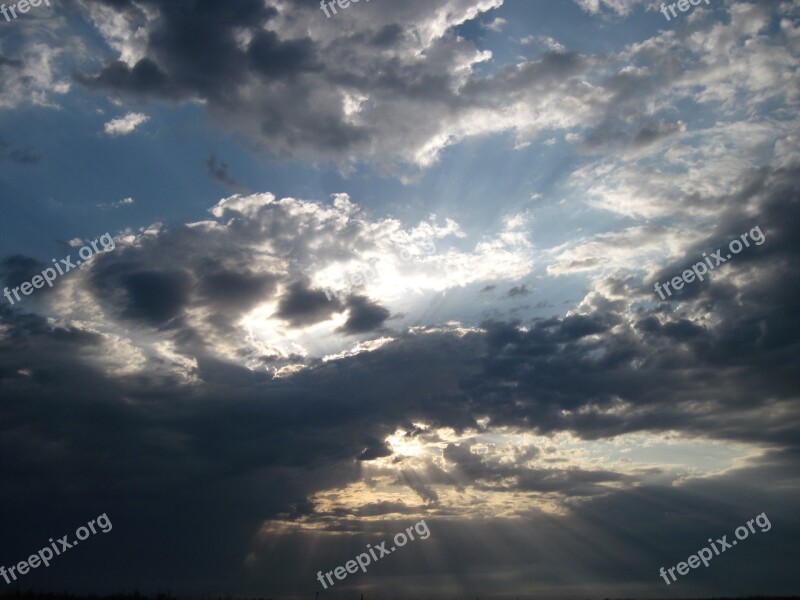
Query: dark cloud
[653, 132]
[218, 171]
[388, 36]
[11, 63]
[17, 268]
[228, 290]
[193, 51]
[303, 306]
[374, 449]
[364, 315]
[273, 58]
[222, 449]
[473, 468]
[155, 297]
[615, 134]
[22, 156]
[145, 79]
[518, 290]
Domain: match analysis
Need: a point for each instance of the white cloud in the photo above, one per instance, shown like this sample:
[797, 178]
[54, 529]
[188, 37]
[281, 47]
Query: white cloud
[124, 202]
[640, 248]
[620, 7]
[496, 25]
[31, 78]
[544, 41]
[125, 125]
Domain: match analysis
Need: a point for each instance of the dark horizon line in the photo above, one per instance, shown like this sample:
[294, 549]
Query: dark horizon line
[136, 595]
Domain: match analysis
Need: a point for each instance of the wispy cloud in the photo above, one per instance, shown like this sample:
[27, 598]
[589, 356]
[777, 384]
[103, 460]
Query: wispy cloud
[23, 156]
[218, 171]
[120, 203]
[496, 25]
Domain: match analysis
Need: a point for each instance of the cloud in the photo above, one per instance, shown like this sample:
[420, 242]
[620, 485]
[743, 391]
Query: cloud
[170, 345]
[24, 156]
[31, 78]
[365, 315]
[619, 7]
[248, 284]
[302, 93]
[606, 137]
[21, 156]
[118, 204]
[302, 306]
[518, 290]
[495, 25]
[545, 41]
[218, 171]
[125, 125]
[633, 248]
[321, 93]
[10, 63]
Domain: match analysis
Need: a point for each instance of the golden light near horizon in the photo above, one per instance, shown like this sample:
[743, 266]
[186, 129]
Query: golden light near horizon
[486, 474]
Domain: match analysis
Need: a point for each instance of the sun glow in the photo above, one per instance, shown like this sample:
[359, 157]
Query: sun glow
[403, 446]
[499, 472]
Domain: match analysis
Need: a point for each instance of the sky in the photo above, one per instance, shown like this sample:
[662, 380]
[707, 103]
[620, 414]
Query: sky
[281, 283]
